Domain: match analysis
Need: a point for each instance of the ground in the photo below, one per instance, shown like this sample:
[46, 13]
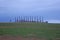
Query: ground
[29, 31]
[19, 38]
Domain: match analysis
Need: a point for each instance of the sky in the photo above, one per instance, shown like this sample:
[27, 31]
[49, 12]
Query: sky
[49, 9]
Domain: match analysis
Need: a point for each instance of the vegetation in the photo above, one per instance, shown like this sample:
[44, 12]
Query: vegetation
[26, 29]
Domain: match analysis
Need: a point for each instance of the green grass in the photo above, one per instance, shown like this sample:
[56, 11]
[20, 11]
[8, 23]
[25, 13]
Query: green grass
[31, 29]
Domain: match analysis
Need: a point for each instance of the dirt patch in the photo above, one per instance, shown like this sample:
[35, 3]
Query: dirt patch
[57, 38]
[5, 37]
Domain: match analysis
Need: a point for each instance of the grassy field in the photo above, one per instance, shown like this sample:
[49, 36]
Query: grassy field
[40, 30]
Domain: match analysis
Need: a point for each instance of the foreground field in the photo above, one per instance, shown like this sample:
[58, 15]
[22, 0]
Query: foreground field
[30, 31]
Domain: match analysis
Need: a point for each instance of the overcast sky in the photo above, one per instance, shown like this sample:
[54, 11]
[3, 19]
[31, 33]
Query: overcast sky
[49, 9]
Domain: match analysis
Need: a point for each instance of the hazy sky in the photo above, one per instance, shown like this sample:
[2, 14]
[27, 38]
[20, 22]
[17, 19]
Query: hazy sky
[49, 9]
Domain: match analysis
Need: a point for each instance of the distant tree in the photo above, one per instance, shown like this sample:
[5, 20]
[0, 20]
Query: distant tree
[46, 22]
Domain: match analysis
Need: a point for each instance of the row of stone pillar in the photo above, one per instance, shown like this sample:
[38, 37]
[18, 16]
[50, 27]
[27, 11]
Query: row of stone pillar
[29, 19]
